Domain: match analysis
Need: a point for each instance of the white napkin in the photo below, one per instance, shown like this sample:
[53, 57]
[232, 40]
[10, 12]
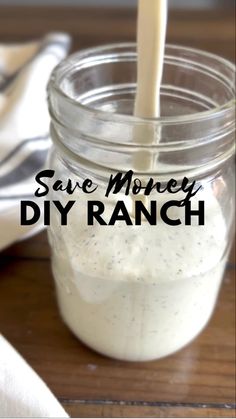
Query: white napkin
[22, 392]
[24, 125]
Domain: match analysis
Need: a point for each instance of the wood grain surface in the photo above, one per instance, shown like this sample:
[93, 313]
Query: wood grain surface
[198, 381]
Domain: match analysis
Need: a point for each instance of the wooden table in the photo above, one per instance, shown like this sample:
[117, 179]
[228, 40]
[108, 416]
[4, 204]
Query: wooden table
[199, 380]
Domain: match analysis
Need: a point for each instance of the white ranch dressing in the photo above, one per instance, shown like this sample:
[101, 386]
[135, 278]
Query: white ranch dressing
[152, 22]
[143, 292]
[151, 37]
[138, 293]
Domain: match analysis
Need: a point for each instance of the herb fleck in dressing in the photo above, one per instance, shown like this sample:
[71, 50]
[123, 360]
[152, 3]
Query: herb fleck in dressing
[141, 292]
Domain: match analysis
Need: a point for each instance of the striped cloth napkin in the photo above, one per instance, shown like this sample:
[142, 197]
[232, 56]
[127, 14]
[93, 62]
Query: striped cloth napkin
[24, 125]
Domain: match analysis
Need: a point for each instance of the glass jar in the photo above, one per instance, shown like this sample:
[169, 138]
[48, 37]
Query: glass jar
[141, 292]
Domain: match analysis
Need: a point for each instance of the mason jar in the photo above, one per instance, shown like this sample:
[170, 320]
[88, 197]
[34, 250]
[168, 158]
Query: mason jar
[140, 292]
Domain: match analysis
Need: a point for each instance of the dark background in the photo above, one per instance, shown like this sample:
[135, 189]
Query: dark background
[173, 3]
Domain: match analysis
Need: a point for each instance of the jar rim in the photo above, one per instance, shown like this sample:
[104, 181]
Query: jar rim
[217, 111]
